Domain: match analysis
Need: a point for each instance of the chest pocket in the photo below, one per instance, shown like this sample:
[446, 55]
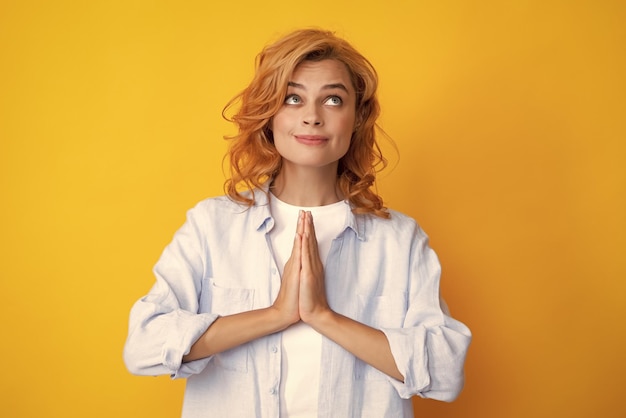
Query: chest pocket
[219, 299]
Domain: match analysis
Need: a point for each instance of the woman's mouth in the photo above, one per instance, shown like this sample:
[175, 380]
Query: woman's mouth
[311, 139]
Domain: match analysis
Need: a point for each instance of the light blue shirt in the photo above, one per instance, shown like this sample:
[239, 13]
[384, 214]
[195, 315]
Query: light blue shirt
[380, 272]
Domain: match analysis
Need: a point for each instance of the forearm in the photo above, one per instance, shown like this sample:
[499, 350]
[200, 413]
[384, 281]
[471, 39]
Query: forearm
[366, 343]
[233, 330]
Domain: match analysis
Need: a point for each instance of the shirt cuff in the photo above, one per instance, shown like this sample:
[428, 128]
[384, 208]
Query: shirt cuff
[411, 359]
[189, 328]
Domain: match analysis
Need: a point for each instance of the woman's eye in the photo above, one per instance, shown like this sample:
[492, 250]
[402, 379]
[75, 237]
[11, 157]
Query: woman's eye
[334, 101]
[293, 99]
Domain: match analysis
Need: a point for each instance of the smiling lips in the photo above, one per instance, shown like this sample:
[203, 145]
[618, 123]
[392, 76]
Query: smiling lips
[311, 139]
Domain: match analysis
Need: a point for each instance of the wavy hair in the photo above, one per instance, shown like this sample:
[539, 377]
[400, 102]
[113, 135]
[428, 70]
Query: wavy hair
[253, 157]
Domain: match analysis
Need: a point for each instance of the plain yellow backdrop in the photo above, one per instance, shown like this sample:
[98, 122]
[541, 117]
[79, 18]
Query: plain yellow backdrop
[511, 127]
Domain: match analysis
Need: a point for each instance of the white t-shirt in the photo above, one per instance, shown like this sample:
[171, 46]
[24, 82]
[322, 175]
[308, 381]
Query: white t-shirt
[301, 344]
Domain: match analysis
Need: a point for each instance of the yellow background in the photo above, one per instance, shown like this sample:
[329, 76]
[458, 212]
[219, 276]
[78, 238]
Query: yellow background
[511, 125]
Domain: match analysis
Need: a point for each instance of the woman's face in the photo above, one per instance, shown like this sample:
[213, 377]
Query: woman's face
[314, 126]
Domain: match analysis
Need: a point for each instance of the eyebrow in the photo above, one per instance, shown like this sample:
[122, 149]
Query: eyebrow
[339, 86]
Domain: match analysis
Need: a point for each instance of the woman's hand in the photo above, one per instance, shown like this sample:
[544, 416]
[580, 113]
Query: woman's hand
[302, 296]
[312, 296]
[286, 302]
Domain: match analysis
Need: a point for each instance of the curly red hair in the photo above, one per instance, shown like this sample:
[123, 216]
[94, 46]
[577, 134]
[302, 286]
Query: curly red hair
[253, 157]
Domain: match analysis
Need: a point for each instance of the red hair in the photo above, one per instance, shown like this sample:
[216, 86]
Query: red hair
[253, 157]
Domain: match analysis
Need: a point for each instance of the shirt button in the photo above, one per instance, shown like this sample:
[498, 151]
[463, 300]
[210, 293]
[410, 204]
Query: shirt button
[273, 271]
[273, 391]
[274, 349]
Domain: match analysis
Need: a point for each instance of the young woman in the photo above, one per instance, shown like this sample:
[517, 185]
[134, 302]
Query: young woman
[299, 294]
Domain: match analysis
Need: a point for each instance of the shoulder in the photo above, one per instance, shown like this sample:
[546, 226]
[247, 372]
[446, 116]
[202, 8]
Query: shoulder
[219, 204]
[397, 221]
[226, 203]
[399, 227]
[222, 211]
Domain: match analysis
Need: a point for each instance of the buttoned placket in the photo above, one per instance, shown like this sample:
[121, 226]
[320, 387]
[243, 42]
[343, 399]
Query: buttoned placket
[274, 341]
[273, 347]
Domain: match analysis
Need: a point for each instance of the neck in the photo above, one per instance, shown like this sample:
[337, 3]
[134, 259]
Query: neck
[306, 187]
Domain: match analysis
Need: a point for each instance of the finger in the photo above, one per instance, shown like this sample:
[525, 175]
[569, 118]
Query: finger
[306, 240]
[306, 244]
[305, 256]
[312, 238]
[310, 223]
[297, 251]
[297, 243]
[301, 222]
[310, 252]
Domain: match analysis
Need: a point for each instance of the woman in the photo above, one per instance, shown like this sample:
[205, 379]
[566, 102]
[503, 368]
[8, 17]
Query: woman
[299, 294]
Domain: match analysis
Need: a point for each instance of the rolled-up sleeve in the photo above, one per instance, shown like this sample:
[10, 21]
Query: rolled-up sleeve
[165, 323]
[431, 347]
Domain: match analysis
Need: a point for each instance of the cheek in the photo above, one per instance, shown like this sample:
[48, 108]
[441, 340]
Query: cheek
[280, 121]
[348, 124]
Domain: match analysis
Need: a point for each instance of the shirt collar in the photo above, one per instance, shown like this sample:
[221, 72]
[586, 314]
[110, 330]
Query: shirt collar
[261, 209]
[356, 223]
[262, 216]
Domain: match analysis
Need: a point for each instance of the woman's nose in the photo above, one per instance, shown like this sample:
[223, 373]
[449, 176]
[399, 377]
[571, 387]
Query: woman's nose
[312, 116]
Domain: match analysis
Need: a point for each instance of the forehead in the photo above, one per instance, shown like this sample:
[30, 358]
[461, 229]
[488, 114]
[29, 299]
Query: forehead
[320, 73]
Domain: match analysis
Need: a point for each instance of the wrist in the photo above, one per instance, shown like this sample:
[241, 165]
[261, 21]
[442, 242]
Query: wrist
[321, 320]
[279, 319]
